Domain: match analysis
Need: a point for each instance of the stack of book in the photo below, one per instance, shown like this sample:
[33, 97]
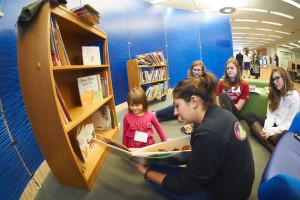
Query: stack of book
[88, 14]
[153, 58]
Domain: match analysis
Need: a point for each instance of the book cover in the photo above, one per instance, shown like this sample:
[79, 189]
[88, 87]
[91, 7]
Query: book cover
[85, 138]
[102, 119]
[175, 151]
[91, 55]
[90, 89]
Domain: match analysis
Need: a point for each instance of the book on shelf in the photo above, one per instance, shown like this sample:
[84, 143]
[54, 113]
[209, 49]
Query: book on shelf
[53, 45]
[60, 44]
[63, 104]
[63, 114]
[101, 118]
[91, 55]
[174, 151]
[87, 13]
[105, 87]
[85, 138]
[90, 89]
[152, 58]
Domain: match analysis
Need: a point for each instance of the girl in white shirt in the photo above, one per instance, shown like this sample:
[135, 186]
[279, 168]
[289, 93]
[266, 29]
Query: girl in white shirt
[283, 105]
[247, 62]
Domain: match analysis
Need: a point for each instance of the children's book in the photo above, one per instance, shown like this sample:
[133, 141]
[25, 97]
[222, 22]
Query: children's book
[174, 151]
[91, 55]
[101, 118]
[85, 136]
[90, 89]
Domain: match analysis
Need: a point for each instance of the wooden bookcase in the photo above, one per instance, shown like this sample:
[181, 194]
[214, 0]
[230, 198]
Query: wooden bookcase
[134, 75]
[57, 139]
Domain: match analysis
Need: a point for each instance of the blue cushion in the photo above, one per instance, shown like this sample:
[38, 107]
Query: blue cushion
[280, 187]
[295, 124]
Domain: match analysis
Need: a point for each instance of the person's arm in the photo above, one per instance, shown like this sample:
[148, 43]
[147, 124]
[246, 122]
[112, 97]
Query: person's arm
[219, 91]
[158, 127]
[244, 95]
[125, 128]
[154, 176]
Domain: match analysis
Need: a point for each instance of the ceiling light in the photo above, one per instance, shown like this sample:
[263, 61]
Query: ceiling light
[282, 32]
[246, 28]
[210, 10]
[238, 37]
[245, 20]
[254, 9]
[253, 38]
[256, 34]
[282, 14]
[286, 46]
[275, 36]
[263, 29]
[273, 23]
[292, 3]
[264, 42]
[267, 39]
[296, 45]
[227, 10]
[239, 33]
[158, 1]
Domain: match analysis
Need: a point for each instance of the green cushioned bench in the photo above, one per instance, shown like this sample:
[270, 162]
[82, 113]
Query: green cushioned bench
[257, 103]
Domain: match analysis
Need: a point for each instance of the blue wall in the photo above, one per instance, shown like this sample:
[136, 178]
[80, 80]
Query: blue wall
[133, 28]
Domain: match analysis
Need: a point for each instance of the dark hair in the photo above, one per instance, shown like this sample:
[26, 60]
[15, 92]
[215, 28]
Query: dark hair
[274, 94]
[137, 96]
[196, 63]
[203, 87]
[238, 75]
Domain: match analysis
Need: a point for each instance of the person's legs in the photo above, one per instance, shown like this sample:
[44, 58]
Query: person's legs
[198, 193]
[256, 123]
[227, 104]
[166, 114]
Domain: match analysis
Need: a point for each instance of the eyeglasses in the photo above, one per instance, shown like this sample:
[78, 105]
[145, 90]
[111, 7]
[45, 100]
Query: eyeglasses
[276, 78]
[197, 70]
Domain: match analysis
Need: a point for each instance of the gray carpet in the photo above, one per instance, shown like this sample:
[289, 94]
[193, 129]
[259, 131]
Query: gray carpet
[118, 179]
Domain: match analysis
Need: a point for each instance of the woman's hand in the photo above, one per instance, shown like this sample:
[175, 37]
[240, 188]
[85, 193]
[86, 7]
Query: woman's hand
[141, 168]
[264, 134]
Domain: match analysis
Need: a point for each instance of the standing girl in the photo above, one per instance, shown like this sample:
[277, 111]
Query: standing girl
[232, 91]
[247, 62]
[137, 123]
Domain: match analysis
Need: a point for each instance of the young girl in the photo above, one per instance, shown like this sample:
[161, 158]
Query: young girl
[232, 91]
[137, 123]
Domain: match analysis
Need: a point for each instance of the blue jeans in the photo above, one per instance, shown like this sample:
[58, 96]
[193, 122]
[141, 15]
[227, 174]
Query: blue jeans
[166, 114]
[198, 194]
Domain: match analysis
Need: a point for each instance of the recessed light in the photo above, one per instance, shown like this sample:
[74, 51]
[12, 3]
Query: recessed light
[286, 46]
[296, 45]
[292, 3]
[263, 29]
[227, 10]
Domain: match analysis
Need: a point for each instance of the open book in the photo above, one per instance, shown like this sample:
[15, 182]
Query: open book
[175, 151]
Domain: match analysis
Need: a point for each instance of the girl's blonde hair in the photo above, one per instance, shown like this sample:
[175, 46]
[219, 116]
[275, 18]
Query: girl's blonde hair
[137, 96]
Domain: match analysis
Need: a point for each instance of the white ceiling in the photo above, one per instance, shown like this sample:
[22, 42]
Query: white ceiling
[253, 38]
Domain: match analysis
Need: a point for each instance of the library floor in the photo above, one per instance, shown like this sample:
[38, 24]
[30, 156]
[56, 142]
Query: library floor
[118, 179]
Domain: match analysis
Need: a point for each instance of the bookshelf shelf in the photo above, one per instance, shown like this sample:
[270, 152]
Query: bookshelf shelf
[134, 73]
[38, 77]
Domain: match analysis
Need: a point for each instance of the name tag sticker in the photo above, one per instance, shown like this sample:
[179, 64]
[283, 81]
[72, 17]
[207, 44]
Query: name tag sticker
[140, 137]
